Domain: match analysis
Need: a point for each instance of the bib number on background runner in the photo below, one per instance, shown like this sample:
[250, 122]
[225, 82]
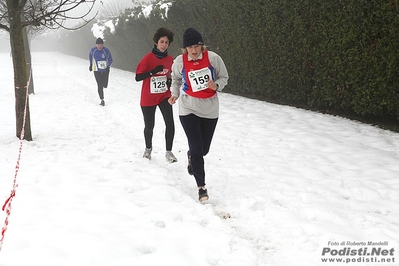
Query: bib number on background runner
[158, 84]
[199, 79]
[102, 64]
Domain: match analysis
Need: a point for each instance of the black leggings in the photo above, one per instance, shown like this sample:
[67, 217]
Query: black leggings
[149, 123]
[102, 82]
[199, 132]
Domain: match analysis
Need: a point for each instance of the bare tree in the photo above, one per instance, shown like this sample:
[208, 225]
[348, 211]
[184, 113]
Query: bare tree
[15, 15]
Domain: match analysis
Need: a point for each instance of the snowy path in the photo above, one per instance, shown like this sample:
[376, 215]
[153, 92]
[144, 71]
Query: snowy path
[282, 181]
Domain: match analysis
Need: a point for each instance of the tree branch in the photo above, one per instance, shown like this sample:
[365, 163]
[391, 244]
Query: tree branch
[4, 27]
[21, 4]
[53, 14]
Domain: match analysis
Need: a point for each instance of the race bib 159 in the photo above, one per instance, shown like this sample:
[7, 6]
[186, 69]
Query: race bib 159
[199, 79]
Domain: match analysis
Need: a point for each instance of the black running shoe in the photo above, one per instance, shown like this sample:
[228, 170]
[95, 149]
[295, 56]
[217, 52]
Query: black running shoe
[203, 194]
[102, 103]
[189, 170]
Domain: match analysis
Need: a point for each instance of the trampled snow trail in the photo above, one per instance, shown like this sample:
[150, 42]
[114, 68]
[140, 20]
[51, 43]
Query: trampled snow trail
[282, 181]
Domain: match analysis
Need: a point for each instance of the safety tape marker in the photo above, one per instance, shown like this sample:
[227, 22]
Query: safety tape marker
[7, 204]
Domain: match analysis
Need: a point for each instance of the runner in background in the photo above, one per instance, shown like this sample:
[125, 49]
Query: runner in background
[100, 62]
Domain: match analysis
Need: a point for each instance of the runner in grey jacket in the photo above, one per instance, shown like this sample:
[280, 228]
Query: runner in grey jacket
[208, 107]
[197, 76]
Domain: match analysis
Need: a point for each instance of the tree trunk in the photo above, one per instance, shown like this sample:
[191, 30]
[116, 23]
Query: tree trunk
[28, 58]
[20, 72]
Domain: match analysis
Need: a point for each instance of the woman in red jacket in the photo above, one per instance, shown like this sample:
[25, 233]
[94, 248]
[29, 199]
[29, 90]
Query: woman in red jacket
[154, 70]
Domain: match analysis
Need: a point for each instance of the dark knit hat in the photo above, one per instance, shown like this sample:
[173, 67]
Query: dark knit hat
[99, 41]
[191, 36]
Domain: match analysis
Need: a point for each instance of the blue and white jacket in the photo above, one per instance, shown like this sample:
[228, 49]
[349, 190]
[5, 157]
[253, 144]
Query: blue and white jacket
[100, 60]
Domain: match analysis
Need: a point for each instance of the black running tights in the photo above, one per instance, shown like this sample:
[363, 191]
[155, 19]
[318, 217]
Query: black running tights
[102, 82]
[149, 123]
[199, 132]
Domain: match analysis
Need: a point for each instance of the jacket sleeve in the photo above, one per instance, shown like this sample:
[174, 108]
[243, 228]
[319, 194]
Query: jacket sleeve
[110, 60]
[177, 77]
[90, 57]
[142, 69]
[221, 74]
[142, 76]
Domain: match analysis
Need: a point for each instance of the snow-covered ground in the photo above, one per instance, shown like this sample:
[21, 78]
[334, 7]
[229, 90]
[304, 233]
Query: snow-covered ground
[285, 184]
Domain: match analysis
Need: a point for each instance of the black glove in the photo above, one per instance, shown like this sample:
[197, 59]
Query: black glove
[169, 82]
[108, 69]
[90, 68]
[156, 69]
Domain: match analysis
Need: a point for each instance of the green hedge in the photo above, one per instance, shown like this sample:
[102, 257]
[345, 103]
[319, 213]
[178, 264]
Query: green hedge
[335, 56]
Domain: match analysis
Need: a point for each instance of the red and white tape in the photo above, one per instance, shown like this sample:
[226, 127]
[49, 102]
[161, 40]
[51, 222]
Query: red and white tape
[7, 204]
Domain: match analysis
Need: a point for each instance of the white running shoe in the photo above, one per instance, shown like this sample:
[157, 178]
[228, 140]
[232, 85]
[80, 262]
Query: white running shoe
[170, 158]
[147, 153]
